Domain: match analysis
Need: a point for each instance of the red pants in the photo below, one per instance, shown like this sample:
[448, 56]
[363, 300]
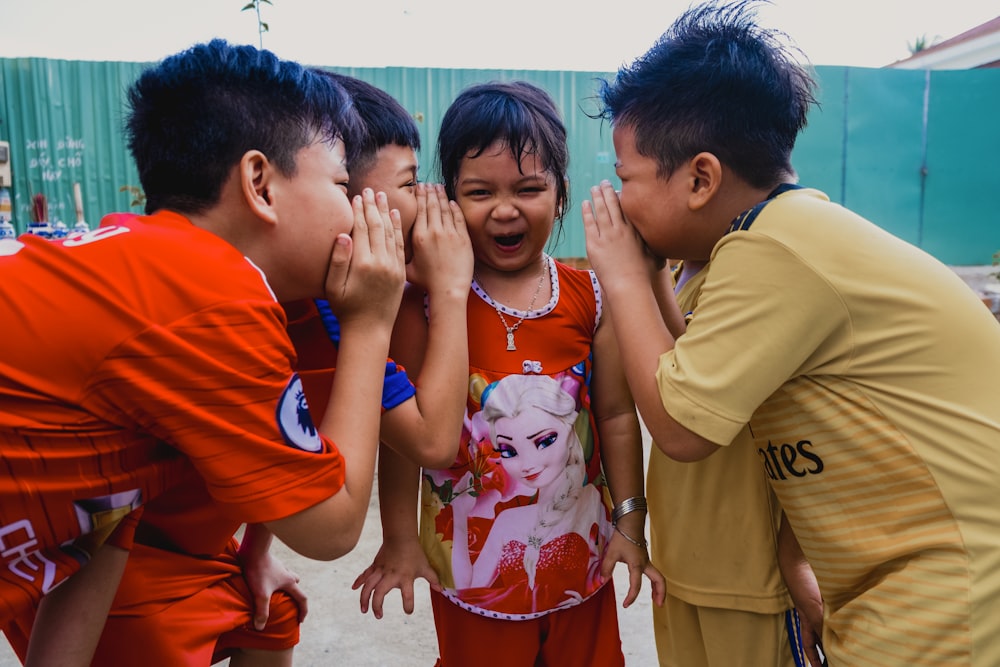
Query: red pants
[199, 630]
[583, 636]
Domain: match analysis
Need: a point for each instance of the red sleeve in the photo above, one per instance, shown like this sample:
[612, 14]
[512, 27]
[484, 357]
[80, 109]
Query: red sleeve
[218, 385]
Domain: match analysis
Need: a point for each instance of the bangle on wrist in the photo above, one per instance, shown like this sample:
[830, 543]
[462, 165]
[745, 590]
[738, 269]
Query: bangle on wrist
[639, 543]
[626, 507]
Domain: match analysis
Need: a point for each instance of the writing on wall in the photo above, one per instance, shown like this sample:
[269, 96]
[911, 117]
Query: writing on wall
[50, 159]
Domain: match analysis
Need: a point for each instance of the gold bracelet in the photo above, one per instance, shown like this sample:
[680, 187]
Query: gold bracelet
[639, 543]
[627, 506]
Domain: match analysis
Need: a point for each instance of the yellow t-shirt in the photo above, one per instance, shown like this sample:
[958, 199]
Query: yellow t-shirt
[866, 370]
[714, 523]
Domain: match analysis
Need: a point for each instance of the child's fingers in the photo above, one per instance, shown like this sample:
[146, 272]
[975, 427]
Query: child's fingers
[659, 594]
[612, 203]
[377, 221]
[657, 582]
[444, 206]
[406, 591]
[634, 585]
[455, 215]
[608, 568]
[596, 221]
[361, 577]
[589, 219]
[599, 207]
[371, 581]
[606, 207]
[360, 231]
[262, 609]
[340, 262]
[394, 237]
[422, 198]
[431, 576]
[433, 208]
[383, 588]
[300, 598]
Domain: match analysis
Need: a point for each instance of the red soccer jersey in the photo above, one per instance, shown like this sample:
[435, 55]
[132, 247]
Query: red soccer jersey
[133, 357]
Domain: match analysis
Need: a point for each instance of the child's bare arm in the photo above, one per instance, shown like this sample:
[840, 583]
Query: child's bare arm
[803, 588]
[400, 560]
[663, 289]
[624, 269]
[364, 287]
[433, 347]
[621, 454]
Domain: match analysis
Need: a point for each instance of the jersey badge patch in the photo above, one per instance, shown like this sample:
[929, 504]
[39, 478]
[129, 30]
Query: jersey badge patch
[294, 419]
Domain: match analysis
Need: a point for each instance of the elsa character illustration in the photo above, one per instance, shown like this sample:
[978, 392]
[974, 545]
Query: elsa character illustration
[545, 554]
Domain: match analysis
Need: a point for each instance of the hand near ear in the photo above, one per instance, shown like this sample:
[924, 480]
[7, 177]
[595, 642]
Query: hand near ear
[442, 253]
[368, 269]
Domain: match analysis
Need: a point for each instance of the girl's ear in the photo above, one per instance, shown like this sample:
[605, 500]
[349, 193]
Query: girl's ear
[705, 173]
[256, 175]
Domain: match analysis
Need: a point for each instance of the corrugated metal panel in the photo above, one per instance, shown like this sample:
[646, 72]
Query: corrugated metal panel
[884, 148]
[63, 121]
[867, 146]
[962, 199]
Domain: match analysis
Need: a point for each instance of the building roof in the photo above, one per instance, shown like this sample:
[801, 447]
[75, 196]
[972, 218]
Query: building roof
[977, 47]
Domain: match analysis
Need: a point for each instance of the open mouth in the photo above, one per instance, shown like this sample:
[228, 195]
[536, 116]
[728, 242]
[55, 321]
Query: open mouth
[509, 241]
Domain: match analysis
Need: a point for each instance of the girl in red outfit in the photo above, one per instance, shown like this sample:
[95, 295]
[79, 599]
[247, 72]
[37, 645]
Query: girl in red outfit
[501, 534]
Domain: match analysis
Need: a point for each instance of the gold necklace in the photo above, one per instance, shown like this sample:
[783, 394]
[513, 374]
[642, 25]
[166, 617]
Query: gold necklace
[511, 347]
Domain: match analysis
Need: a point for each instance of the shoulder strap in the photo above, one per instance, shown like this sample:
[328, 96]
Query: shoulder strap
[746, 218]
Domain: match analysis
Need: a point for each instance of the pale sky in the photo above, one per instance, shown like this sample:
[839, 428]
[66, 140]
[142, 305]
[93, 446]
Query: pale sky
[502, 34]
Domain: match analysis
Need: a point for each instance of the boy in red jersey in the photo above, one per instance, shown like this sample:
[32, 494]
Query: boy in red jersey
[166, 357]
[180, 604]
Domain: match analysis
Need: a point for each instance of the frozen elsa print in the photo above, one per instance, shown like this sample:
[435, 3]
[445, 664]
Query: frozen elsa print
[545, 554]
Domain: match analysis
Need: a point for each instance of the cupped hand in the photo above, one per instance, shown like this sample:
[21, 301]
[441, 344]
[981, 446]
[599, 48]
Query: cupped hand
[442, 251]
[368, 268]
[614, 248]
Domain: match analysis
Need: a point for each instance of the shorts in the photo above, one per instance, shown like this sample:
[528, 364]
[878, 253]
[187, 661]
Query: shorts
[585, 635]
[689, 635]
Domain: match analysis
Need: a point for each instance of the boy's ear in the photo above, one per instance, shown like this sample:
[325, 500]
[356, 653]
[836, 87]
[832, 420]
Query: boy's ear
[705, 173]
[256, 173]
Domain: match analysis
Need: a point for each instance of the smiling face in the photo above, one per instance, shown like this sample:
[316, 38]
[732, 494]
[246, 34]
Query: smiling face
[533, 446]
[510, 211]
[394, 172]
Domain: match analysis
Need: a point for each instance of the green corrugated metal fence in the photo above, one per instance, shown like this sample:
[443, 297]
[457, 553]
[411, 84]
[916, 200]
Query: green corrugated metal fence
[914, 151]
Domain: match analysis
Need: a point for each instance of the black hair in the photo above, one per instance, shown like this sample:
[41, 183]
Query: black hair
[520, 115]
[715, 81]
[194, 115]
[386, 121]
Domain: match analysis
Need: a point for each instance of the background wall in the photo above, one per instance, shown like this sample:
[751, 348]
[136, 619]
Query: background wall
[914, 151]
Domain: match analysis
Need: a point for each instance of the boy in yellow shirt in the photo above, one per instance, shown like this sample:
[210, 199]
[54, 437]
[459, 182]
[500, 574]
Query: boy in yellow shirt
[863, 367]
